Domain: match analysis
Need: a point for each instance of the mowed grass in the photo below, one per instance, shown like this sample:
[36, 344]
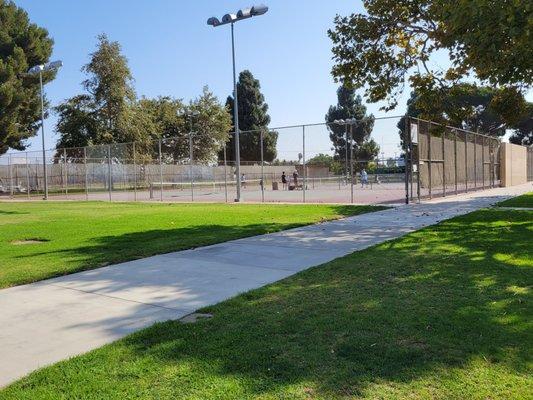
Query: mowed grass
[443, 313]
[524, 201]
[78, 236]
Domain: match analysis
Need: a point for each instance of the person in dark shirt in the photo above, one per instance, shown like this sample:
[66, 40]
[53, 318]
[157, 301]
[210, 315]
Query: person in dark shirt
[284, 180]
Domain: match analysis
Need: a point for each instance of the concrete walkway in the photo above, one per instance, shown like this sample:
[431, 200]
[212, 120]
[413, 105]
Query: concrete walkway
[48, 321]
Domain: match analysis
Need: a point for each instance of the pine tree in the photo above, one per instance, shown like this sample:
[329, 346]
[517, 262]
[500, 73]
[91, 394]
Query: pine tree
[350, 106]
[253, 116]
[22, 46]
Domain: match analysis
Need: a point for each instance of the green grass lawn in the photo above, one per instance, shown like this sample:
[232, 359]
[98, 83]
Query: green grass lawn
[524, 201]
[79, 236]
[443, 313]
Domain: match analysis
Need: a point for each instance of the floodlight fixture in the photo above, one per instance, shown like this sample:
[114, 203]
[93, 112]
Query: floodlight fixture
[230, 18]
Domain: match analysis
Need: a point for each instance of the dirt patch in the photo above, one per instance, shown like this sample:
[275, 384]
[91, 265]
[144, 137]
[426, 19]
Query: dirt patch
[194, 317]
[28, 241]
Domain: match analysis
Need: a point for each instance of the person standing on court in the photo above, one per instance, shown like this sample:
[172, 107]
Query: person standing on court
[295, 178]
[284, 180]
[364, 178]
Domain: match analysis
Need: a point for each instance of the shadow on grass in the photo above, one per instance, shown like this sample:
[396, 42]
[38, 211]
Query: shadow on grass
[439, 298]
[415, 308]
[106, 250]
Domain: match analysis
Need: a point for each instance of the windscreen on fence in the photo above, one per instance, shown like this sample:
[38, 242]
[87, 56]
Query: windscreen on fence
[449, 160]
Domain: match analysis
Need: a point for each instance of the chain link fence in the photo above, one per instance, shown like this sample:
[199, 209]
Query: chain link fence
[445, 160]
[301, 167]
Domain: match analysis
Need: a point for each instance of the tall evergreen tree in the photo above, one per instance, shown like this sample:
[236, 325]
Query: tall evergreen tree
[22, 46]
[253, 116]
[350, 106]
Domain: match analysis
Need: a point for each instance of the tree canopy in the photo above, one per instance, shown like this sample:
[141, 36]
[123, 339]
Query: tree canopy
[253, 116]
[470, 107]
[350, 106]
[394, 40]
[22, 46]
[109, 112]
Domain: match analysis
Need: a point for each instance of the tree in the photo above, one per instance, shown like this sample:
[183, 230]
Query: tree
[22, 46]
[253, 116]
[325, 160]
[467, 106]
[523, 130]
[109, 84]
[108, 113]
[379, 49]
[204, 120]
[350, 106]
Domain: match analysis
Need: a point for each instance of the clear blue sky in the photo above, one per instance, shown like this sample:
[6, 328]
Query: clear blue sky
[171, 51]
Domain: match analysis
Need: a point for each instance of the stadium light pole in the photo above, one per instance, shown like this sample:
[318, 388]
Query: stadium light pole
[38, 70]
[244, 13]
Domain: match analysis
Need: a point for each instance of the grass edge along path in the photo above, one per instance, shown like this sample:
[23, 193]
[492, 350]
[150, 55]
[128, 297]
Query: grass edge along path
[43, 240]
[523, 201]
[441, 313]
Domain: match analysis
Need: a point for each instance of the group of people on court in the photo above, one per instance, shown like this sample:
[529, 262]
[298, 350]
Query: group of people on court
[285, 182]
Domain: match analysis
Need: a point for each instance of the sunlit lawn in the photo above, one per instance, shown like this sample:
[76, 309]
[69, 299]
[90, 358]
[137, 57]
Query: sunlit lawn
[77, 236]
[443, 313]
[524, 201]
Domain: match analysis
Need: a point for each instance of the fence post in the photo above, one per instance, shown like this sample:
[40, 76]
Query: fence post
[109, 172]
[455, 159]
[160, 170]
[351, 163]
[304, 163]
[86, 175]
[65, 171]
[225, 175]
[417, 159]
[429, 159]
[262, 168]
[466, 162]
[408, 160]
[191, 168]
[10, 171]
[483, 162]
[475, 161]
[443, 162]
[134, 174]
[27, 177]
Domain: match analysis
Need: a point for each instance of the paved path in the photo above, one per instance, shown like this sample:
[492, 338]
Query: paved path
[58, 318]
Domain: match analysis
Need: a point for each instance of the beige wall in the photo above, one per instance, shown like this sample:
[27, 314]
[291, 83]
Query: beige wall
[513, 164]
